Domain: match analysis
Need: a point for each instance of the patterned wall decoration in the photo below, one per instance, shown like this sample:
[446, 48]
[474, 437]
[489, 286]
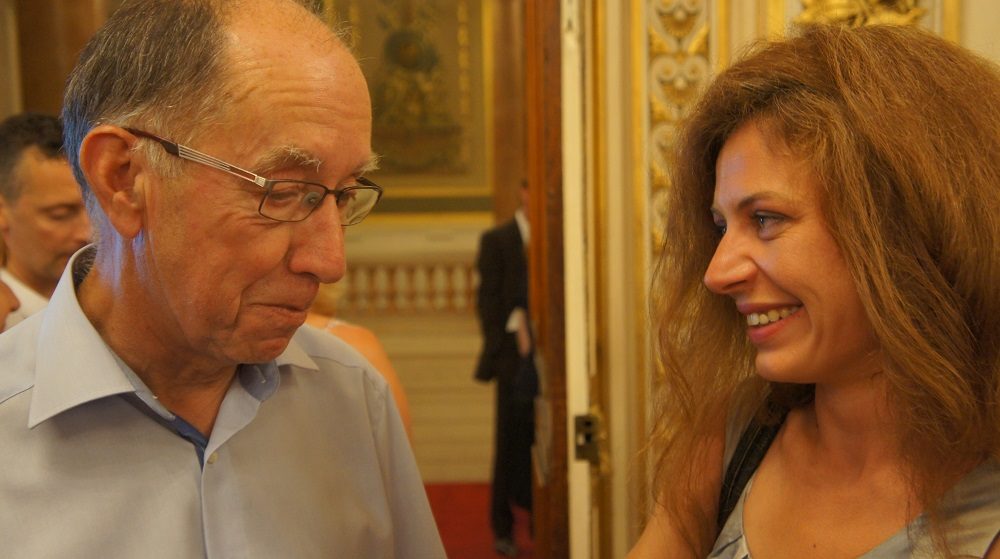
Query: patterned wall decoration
[678, 68]
[856, 13]
[428, 65]
[682, 33]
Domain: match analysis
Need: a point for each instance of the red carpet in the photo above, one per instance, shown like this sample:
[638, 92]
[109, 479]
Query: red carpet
[462, 511]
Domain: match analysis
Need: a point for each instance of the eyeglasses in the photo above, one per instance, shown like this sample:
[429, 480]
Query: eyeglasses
[284, 199]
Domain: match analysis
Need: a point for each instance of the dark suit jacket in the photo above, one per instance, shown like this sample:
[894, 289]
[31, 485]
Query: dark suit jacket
[503, 286]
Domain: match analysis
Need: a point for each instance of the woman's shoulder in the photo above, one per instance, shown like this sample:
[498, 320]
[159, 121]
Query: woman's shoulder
[353, 334]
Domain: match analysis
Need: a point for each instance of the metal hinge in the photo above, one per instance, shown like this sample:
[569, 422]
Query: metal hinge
[587, 438]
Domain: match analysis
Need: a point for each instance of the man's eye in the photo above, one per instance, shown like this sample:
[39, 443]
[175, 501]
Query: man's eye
[62, 214]
[345, 196]
[311, 198]
[282, 195]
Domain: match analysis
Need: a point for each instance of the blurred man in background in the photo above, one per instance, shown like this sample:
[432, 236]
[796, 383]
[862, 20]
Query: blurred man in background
[508, 358]
[42, 217]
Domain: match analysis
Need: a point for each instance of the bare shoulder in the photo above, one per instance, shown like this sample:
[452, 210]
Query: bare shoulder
[357, 336]
[994, 552]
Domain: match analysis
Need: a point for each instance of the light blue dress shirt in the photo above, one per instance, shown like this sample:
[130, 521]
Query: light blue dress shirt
[308, 456]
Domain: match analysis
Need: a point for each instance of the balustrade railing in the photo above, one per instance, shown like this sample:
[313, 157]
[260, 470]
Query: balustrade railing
[433, 286]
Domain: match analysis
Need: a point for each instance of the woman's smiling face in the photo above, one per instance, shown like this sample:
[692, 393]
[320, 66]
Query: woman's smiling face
[778, 261]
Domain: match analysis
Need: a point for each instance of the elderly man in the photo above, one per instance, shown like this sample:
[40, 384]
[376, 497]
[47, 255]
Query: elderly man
[166, 403]
[42, 218]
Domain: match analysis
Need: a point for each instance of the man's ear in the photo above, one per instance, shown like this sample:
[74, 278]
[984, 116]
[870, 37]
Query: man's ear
[116, 176]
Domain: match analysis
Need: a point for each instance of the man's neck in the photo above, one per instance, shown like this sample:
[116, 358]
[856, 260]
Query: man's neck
[185, 383]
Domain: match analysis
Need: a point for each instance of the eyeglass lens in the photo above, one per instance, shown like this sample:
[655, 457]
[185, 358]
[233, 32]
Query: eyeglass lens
[295, 201]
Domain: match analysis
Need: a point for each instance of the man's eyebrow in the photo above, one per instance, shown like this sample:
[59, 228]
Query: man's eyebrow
[368, 166]
[286, 157]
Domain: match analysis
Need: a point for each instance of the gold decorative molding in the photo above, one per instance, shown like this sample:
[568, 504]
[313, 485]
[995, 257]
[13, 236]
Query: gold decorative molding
[773, 17]
[951, 20]
[856, 13]
[429, 69]
[678, 68]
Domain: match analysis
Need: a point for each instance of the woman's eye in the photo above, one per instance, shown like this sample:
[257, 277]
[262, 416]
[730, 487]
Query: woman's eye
[718, 223]
[766, 221]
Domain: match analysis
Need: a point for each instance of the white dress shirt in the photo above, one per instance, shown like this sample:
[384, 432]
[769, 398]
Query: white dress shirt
[31, 301]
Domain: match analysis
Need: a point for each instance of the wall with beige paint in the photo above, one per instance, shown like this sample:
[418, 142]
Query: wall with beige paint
[980, 27]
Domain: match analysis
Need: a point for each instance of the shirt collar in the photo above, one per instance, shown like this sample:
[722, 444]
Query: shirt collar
[523, 225]
[85, 369]
[73, 364]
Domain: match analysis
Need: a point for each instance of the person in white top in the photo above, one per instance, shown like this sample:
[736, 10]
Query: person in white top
[8, 303]
[42, 216]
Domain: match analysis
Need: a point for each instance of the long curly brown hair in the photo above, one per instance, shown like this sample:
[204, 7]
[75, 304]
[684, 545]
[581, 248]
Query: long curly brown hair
[902, 129]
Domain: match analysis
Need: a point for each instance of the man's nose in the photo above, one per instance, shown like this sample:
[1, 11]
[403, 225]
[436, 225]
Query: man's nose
[318, 246]
[731, 269]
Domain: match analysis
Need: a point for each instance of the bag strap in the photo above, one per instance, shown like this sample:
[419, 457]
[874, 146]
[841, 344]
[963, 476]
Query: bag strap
[750, 451]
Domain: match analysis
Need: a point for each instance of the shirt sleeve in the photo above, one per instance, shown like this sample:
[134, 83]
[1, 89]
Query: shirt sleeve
[415, 533]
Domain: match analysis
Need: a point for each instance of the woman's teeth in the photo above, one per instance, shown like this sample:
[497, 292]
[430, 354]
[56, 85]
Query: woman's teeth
[773, 315]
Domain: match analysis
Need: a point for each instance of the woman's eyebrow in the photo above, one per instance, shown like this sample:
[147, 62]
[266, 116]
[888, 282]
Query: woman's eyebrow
[764, 195]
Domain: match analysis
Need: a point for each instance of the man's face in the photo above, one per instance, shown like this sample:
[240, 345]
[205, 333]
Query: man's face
[46, 224]
[230, 285]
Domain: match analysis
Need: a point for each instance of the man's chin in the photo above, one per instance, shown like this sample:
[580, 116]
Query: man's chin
[264, 340]
[262, 351]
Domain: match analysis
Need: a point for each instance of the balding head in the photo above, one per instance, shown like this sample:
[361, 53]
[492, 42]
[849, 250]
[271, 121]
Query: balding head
[163, 65]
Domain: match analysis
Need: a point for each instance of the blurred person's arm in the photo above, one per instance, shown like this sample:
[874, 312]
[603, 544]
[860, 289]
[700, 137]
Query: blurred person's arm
[367, 344]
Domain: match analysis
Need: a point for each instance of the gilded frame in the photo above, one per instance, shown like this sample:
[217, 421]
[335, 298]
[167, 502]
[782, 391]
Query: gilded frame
[429, 68]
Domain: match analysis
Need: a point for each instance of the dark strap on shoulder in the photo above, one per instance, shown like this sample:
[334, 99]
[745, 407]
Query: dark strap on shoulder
[750, 451]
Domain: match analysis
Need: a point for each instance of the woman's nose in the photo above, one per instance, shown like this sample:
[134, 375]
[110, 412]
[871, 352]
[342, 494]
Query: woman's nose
[731, 268]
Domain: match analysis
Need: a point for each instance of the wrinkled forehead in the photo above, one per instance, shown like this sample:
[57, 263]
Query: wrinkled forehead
[281, 29]
[292, 89]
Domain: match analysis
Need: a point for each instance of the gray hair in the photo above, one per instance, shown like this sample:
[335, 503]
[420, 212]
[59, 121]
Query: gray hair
[155, 64]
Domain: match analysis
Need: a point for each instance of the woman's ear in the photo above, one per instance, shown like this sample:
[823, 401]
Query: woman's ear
[116, 176]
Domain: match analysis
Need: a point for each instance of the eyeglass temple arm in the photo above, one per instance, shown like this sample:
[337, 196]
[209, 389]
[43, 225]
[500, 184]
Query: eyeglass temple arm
[185, 152]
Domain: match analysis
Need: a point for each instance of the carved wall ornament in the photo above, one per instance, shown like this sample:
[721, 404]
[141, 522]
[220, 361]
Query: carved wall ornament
[856, 13]
[678, 67]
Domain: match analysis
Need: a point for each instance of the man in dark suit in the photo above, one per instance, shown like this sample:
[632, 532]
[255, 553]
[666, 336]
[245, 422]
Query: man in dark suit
[508, 357]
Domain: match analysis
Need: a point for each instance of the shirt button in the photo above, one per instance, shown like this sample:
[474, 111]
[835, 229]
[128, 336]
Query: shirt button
[213, 457]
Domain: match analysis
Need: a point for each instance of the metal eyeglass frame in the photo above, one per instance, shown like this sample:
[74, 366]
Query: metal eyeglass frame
[196, 156]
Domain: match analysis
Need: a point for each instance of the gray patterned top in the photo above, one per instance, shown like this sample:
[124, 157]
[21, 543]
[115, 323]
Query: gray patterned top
[974, 501]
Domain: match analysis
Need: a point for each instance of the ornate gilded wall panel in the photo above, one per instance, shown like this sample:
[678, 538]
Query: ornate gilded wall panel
[689, 39]
[856, 13]
[429, 69]
[679, 66]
